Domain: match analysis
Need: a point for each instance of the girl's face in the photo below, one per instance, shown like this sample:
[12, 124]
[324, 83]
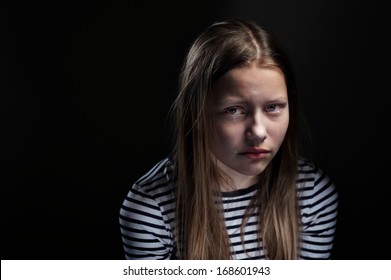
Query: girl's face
[251, 119]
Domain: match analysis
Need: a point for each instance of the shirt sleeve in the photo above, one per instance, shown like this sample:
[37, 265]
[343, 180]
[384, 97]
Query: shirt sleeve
[144, 233]
[319, 207]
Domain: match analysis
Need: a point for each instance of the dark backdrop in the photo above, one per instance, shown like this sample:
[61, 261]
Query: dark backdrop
[85, 88]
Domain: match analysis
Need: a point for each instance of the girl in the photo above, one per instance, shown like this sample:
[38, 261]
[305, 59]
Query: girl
[234, 186]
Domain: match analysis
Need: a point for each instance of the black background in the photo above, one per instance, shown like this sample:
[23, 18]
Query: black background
[85, 88]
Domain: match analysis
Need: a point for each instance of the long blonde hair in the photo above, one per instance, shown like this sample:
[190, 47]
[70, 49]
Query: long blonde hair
[199, 221]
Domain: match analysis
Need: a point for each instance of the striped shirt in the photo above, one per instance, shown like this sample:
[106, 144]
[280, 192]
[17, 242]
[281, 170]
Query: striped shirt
[147, 214]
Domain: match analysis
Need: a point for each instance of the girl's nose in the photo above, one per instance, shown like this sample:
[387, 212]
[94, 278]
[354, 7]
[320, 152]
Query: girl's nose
[256, 131]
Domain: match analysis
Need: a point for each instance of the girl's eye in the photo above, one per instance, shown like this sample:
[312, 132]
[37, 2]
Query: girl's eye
[233, 111]
[275, 108]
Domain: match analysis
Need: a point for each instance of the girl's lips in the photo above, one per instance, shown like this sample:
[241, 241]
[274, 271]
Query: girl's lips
[254, 153]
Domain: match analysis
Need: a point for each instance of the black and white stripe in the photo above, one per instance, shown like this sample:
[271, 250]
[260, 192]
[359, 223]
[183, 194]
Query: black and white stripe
[147, 214]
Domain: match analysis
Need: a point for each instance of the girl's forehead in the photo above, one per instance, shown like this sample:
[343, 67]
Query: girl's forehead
[250, 81]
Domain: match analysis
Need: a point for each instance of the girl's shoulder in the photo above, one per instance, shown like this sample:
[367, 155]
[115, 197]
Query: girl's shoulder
[157, 180]
[307, 169]
[314, 185]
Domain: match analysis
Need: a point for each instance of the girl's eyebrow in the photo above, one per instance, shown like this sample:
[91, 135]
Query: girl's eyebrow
[228, 100]
[278, 99]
